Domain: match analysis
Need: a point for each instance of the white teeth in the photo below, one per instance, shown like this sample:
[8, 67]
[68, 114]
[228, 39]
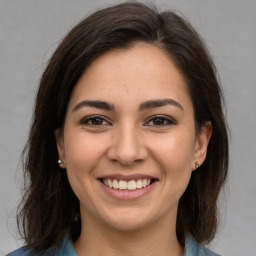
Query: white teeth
[115, 184]
[132, 185]
[127, 185]
[139, 184]
[144, 183]
[123, 184]
[110, 183]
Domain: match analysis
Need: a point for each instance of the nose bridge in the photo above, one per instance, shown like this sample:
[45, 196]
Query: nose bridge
[127, 145]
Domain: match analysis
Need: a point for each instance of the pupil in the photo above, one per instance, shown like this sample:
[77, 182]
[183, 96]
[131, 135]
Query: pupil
[97, 121]
[158, 121]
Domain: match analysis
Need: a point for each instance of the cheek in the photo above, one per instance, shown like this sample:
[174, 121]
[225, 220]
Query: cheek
[83, 151]
[174, 154]
[175, 149]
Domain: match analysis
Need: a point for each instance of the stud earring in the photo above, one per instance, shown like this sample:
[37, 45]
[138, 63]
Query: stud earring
[197, 165]
[61, 164]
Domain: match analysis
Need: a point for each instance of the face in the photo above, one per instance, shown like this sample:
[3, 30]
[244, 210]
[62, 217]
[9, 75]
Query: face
[129, 144]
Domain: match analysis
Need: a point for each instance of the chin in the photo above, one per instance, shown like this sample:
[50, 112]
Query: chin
[129, 220]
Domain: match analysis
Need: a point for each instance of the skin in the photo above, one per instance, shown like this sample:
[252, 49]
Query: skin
[130, 140]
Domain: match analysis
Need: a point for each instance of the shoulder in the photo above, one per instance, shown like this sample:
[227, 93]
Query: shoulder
[25, 251]
[194, 249]
[65, 249]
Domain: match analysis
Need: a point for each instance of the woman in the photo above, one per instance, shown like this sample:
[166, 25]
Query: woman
[128, 147]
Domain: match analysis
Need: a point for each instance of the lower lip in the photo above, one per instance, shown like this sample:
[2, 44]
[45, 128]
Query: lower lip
[127, 194]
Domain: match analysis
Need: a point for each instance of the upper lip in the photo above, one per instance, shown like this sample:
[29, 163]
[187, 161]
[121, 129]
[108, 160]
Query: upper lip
[137, 176]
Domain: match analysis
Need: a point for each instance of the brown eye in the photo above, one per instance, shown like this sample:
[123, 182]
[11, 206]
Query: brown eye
[97, 121]
[160, 121]
[94, 121]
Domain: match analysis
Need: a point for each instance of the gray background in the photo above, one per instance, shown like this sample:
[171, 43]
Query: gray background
[30, 31]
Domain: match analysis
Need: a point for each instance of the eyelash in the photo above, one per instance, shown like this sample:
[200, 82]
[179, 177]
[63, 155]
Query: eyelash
[88, 119]
[167, 121]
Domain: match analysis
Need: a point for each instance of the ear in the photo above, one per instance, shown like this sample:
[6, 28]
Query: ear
[201, 144]
[60, 147]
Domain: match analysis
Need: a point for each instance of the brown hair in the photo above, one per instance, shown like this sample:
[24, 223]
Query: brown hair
[49, 209]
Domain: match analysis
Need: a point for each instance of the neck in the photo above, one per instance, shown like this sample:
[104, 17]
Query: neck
[156, 239]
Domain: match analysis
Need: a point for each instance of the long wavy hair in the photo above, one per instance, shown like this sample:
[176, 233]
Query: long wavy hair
[49, 209]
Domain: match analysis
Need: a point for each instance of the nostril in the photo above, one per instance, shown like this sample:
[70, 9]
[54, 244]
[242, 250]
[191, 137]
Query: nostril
[126, 151]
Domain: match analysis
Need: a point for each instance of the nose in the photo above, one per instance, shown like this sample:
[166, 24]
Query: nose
[127, 146]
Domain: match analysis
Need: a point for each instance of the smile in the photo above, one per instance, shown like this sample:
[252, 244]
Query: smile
[127, 185]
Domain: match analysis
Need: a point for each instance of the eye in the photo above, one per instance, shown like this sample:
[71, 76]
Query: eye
[160, 121]
[94, 121]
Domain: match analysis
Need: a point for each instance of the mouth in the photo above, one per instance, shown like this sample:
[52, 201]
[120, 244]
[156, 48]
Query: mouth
[127, 187]
[133, 184]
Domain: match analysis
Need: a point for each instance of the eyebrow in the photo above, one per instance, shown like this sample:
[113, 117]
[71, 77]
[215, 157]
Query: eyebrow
[159, 103]
[94, 104]
[143, 106]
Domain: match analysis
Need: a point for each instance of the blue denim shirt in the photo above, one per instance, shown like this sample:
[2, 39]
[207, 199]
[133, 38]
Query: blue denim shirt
[192, 248]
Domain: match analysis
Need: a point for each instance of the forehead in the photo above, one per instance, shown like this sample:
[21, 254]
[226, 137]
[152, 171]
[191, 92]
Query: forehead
[141, 71]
